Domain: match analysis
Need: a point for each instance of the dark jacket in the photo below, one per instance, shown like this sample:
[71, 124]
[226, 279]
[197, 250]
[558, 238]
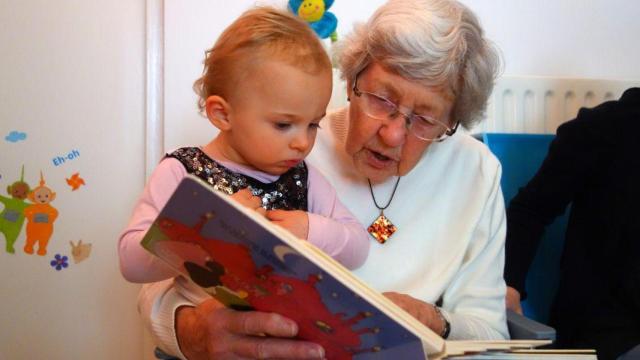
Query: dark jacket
[594, 164]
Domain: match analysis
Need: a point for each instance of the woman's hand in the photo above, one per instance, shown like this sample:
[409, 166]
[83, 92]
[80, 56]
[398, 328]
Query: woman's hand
[513, 300]
[424, 312]
[211, 331]
[296, 221]
[247, 199]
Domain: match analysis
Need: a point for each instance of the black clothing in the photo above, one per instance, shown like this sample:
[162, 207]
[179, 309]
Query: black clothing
[594, 164]
[289, 192]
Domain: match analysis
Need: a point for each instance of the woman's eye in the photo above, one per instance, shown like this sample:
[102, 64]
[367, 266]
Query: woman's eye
[314, 126]
[424, 120]
[383, 103]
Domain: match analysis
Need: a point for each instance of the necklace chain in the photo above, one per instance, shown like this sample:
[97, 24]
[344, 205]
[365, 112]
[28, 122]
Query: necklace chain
[395, 187]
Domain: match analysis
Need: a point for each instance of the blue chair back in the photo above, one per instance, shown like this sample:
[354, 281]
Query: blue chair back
[521, 155]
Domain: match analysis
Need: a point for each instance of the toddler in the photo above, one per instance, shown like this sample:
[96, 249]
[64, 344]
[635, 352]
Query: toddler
[266, 85]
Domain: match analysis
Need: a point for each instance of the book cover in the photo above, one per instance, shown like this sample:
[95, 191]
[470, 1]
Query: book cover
[247, 263]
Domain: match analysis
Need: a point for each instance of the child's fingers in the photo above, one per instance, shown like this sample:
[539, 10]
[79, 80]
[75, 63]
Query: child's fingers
[275, 215]
[260, 210]
[243, 194]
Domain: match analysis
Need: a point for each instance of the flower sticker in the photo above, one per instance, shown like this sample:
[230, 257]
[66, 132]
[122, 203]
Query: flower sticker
[60, 262]
[315, 13]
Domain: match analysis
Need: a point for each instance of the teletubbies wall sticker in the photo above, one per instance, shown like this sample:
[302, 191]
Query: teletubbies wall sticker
[80, 251]
[40, 218]
[12, 215]
[37, 217]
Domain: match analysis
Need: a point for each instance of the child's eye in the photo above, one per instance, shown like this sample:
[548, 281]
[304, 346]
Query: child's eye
[314, 126]
[282, 126]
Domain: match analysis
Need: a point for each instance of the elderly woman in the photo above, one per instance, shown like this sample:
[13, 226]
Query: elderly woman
[415, 72]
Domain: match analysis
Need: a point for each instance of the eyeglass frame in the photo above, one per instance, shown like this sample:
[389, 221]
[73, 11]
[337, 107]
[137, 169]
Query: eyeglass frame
[409, 118]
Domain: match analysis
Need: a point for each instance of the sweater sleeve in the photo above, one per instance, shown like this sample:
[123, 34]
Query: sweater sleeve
[474, 302]
[136, 263]
[332, 228]
[563, 173]
[158, 303]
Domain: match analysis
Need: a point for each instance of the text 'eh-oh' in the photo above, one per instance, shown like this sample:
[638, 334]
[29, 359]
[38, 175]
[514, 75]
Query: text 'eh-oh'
[59, 160]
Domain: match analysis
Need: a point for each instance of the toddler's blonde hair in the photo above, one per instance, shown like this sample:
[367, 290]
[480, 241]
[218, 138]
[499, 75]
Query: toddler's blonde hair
[258, 34]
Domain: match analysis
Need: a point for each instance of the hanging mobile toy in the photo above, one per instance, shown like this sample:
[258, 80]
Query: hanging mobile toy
[315, 13]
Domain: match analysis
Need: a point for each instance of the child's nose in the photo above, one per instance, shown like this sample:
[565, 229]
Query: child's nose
[300, 142]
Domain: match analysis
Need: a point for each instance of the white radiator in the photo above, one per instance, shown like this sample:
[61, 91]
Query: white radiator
[540, 104]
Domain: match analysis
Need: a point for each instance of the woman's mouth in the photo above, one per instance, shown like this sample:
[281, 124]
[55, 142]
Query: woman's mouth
[378, 160]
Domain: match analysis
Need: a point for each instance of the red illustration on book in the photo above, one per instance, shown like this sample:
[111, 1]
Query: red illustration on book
[231, 266]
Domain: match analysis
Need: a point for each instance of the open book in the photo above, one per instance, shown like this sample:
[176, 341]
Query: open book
[245, 262]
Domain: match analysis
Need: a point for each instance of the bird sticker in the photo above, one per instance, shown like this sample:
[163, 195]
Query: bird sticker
[75, 181]
[16, 136]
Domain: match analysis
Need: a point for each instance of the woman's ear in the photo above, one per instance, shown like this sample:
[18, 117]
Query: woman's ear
[349, 89]
[217, 110]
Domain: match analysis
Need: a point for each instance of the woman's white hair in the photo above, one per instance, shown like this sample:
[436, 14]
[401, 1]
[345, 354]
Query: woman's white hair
[438, 43]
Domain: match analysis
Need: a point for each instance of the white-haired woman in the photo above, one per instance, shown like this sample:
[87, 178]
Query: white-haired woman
[416, 71]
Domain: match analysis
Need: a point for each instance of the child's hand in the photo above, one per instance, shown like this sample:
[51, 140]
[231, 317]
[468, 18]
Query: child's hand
[296, 221]
[246, 198]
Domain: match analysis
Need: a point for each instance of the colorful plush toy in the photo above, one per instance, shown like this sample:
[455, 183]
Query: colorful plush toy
[315, 13]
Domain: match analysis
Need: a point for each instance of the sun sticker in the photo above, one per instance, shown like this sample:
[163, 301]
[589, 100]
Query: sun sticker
[316, 14]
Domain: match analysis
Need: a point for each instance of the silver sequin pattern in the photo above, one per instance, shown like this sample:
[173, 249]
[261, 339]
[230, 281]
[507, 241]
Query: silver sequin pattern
[289, 192]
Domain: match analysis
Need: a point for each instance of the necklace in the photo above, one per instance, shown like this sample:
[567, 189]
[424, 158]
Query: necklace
[382, 228]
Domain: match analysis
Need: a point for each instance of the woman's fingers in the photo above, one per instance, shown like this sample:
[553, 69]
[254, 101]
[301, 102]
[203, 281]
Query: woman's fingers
[259, 323]
[263, 336]
[276, 348]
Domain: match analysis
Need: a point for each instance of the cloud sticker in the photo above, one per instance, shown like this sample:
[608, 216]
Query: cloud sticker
[16, 136]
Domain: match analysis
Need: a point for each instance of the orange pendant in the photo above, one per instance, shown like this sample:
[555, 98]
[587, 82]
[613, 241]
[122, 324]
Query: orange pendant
[382, 229]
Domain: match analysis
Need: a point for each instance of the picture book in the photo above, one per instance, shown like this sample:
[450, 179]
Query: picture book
[247, 263]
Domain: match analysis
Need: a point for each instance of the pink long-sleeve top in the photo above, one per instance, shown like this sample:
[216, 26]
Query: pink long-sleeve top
[332, 228]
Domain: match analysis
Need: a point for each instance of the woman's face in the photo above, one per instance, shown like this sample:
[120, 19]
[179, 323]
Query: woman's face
[384, 148]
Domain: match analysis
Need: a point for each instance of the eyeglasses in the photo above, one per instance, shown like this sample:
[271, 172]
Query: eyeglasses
[423, 127]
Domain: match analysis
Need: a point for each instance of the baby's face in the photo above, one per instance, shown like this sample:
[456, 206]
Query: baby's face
[19, 190]
[43, 195]
[274, 116]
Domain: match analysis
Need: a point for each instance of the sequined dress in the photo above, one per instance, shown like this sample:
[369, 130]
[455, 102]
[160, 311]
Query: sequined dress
[289, 192]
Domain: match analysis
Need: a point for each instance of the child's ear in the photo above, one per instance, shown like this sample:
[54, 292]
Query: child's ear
[218, 112]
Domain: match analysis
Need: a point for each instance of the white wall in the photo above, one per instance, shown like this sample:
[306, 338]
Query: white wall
[565, 38]
[72, 78]
[560, 38]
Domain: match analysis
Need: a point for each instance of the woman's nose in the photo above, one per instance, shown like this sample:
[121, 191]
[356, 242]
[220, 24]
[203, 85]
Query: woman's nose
[393, 131]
